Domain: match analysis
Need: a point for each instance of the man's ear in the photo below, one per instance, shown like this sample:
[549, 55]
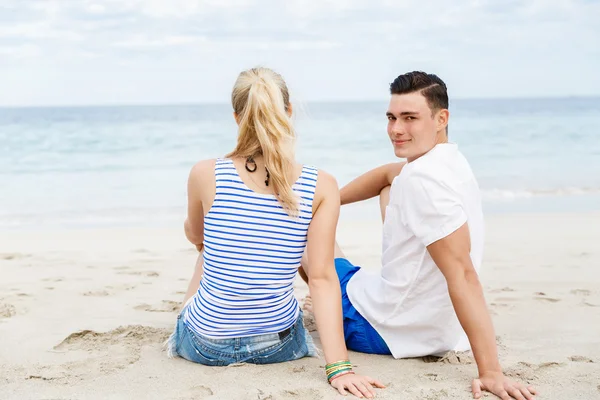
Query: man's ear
[442, 119]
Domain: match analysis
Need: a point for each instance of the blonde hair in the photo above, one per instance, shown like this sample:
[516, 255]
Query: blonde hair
[261, 100]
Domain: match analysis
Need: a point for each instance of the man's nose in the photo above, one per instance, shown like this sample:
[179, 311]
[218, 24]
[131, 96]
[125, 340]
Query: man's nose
[398, 129]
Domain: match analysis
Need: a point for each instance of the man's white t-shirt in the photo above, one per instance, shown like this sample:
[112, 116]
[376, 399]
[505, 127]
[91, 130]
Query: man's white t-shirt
[407, 302]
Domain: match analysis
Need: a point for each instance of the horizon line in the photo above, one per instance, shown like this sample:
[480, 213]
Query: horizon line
[326, 101]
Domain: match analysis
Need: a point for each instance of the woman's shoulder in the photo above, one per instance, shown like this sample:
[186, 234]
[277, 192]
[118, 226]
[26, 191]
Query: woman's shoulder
[325, 182]
[204, 168]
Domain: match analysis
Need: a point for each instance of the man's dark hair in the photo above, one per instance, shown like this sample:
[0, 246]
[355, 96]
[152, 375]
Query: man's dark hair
[431, 87]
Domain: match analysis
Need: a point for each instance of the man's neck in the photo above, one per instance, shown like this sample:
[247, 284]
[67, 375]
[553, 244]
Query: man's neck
[440, 138]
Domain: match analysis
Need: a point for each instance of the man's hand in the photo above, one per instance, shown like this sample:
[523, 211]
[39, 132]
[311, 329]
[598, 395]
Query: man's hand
[501, 386]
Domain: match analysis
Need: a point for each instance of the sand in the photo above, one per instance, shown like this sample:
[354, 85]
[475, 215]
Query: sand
[83, 315]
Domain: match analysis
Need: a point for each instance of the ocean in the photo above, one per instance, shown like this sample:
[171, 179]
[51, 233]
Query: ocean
[128, 165]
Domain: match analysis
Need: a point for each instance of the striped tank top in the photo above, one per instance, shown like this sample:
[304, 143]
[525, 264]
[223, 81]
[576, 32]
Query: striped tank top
[252, 252]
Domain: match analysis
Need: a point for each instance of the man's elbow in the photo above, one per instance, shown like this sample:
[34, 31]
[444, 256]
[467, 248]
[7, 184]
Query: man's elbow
[463, 276]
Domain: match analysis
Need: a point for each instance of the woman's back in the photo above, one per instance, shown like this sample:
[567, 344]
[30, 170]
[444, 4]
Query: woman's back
[252, 251]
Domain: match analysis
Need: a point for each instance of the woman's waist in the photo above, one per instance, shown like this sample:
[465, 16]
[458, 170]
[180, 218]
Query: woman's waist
[216, 322]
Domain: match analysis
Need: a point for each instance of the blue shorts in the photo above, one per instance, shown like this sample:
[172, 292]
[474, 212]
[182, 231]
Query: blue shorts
[359, 334]
[291, 344]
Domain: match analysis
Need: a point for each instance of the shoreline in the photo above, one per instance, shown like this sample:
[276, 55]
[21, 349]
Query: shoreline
[363, 212]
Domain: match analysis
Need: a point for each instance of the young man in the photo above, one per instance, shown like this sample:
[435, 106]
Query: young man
[427, 294]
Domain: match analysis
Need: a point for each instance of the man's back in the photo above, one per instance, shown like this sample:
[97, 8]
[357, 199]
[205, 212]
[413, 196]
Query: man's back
[408, 302]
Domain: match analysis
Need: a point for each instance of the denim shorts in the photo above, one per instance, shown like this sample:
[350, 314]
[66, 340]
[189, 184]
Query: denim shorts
[291, 344]
[359, 334]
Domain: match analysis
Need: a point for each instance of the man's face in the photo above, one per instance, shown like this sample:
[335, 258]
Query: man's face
[412, 127]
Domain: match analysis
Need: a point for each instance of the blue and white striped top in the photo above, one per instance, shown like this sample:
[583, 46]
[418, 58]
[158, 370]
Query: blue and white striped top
[252, 252]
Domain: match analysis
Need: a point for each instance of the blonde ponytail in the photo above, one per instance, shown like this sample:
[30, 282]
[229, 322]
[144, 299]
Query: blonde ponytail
[260, 99]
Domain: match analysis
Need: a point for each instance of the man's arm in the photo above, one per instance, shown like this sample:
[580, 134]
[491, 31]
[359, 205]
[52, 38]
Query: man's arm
[370, 184]
[452, 256]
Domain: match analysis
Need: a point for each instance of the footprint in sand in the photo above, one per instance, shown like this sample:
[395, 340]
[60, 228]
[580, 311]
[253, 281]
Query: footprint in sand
[527, 371]
[133, 335]
[13, 256]
[122, 287]
[60, 279]
[201, 392]
[47, 375]
[299, 394]
[264, 396]
[164, 306]
[138, 273]
[581, 292]
[434, 377]
[113, 350]
[542, 296]
[581, 359]
[437, 394]
[97, 293]
[506, 299]
[452, 357]
[198, 392]
[504, 289]
[586, 303]
[7, 310]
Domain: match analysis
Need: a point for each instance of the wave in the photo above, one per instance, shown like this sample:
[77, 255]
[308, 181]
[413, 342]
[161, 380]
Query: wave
[511, 194]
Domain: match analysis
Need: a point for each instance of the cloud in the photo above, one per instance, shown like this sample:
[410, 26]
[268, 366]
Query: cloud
[20, 52]
[139, 41]
[330, 48]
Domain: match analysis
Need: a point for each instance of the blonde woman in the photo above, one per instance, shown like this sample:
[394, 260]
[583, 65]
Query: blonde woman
[253, 214]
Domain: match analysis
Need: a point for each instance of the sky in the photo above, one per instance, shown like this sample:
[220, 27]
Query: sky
[85, 52]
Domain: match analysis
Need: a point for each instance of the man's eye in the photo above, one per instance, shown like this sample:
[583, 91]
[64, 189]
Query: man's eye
[410, 118]
[390, 118]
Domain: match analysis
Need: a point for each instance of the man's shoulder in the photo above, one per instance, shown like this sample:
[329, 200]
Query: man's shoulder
[445, 167]
[430, 170]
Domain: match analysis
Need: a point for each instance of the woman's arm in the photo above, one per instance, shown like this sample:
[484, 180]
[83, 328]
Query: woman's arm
[195, 281]
[324, 284]
[201, 193]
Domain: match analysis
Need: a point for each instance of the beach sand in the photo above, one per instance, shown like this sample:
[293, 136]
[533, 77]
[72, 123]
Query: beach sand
[83, 314]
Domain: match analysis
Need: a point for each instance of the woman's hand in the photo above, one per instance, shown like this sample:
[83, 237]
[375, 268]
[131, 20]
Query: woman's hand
[358, 385]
